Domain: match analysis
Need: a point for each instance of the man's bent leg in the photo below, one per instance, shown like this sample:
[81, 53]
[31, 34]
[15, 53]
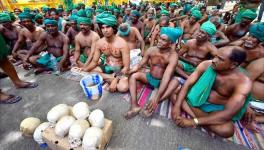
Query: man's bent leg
[135, 108]
[122, 85]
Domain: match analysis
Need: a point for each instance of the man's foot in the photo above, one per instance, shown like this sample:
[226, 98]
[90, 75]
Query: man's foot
[150, 109]
[27, 85]
[132, 112]
[259, 119]
[9, 99]
[253, 127]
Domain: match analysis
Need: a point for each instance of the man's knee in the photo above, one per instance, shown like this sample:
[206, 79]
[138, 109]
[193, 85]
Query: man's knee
[122, 86]
[226, 130]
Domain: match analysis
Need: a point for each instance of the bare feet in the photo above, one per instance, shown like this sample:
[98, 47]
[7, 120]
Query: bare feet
[150, 108]
[132, 112]
[253, 127]
[23, 84]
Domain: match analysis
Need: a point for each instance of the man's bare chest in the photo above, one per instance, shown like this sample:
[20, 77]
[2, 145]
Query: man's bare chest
[224, 86]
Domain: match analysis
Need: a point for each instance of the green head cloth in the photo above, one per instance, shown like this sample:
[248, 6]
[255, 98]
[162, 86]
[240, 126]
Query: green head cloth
[257, 30]
[173, 5]
[107, 19]
[38, 16]
[89, 12]
[99, 10]
[124, 31]
[135, 13]
[84, 20]
[4, 17]
[172, 33]
[81, 13]
[22, 16]
[45, 9]
[60, 10]
[165, 12]
[186, 8]
[249, 14]
[209, 28]
[73, 18]
[197, 14]
[50, 21]
[80, 5]
[117, 11]
[27, 10]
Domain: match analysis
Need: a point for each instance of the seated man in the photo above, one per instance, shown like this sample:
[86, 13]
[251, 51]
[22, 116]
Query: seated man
[57, 46]
[27, 35]
[84, 42]
[216, 93]
[256, 74]
[148, 24]
[196, 50]
[115, 54]
[253, 43]
[72, 31]
[238, 30]
[190, 25]
[163, 60]
[131, 35]
[135, 22]
[219, 39]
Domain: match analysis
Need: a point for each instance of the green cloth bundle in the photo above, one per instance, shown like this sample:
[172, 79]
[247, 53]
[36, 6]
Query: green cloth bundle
[84, 20]
[107, 19]
[209, 28]
[51, 21]
[172, 33]
[257, 30]
[197, 14]
[4, 17]
[81, 13]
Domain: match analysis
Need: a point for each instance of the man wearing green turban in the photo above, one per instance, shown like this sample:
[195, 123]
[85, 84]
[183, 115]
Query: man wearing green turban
[57, 46]
[22, 16]
[72, 31]
[108, 47]
[38, 20]
[135, 22]
[84, 42]
[45, 9]
[81, 13]
[161, 57]
[27, 10]
[165, 13]
[197, 50]
[186, 9]
[89, 12]
[246, 14]
[4, 17]
[257, 31]
[106, 19]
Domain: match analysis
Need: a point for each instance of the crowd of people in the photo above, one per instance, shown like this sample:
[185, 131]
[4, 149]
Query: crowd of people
[208, 62]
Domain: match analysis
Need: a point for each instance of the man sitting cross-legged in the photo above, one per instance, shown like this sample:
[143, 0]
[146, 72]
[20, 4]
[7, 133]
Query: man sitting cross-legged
[216, 93]
[163, 60]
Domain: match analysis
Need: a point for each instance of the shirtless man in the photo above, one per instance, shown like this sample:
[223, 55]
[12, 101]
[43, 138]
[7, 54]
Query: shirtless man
[9, 32]
[238, 30]
[27, 35]
[164, 22]
[72, 31]
[54, 14]
[135, 22]
[204, 15]
[190, 25]
[215, 94]
[148, 24]
[131, 35]
[57, 46]
[253, 43]
[196, 50]
[256, 74]
[116, 53]
[84, 42]
[163, 60]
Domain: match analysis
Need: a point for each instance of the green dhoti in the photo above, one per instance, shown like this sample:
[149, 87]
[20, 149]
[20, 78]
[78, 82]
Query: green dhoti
[199, 93]
[187, 67]
[153, 81]
[3, 48]
[83, 58]
[46, 60]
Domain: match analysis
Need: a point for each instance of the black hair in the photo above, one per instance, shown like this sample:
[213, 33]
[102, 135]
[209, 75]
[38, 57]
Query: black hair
[238, 55]
[203, 7]
[54, 10]
[114, 27]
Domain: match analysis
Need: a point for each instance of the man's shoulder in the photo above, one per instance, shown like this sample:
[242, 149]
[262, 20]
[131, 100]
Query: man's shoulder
[39, 29]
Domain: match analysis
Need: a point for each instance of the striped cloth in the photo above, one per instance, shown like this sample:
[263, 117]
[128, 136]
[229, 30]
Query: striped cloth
[241, 136]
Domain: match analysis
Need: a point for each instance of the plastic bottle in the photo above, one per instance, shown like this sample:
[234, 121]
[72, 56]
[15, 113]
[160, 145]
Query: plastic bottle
[54, 64]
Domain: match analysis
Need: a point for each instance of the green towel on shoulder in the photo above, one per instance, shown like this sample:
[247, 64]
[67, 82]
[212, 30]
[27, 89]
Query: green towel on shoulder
[198, 95]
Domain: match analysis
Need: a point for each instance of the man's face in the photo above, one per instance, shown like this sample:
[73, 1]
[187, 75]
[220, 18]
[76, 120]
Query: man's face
[203, 11]
[163, 23]
[107, 31]
[150, 14]
[221, 61]
[27, 23]
[39, 21]
[52, 29]
[245, 21]
[7, 25]
[65, 16]
[163, 42]
[53, 15]
[192, 20]
[134, 19]
[73, 24]
[17, 11]
[251, 42]
[202, 36]
[85, 27]
[127, 12]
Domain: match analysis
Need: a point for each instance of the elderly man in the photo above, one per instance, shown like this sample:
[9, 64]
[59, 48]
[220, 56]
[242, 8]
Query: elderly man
[84, 42]
[135, 15]
[190, 25]
[240, 29]
[57, 49]
[72, 31]
[148, 24]
[253, 43]
[196, 50]
[162, 60]
[115, 54]
[27, 36]
[215, 94]
[131, 35]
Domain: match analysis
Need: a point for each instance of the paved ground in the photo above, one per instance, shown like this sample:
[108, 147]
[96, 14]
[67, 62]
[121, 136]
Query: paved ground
[156, 133]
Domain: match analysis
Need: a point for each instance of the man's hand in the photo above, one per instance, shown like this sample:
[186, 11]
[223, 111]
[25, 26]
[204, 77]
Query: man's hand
[113, 85]
[185, 123]
[134, 69]
[60, 67]
[250, 116]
